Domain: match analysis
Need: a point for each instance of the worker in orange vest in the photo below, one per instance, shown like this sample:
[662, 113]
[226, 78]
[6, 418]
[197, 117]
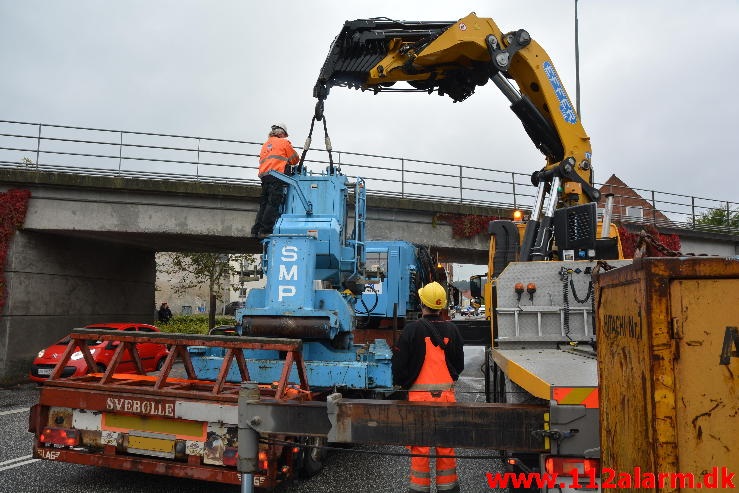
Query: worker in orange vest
[428, 360]
[276, 154]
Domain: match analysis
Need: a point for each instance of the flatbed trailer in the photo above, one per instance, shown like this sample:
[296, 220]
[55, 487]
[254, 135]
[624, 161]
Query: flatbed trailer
[173, 423]
[169, 422]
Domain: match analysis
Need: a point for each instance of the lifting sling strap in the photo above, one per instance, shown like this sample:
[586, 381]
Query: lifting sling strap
[327, 140]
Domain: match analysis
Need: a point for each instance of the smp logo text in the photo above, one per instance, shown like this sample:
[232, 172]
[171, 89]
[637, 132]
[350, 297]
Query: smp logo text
[288, 272]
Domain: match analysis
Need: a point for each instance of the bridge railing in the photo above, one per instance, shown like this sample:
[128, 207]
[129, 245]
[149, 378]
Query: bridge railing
[157, 156]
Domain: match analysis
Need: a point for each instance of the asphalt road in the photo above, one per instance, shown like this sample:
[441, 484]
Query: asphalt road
[347, 470]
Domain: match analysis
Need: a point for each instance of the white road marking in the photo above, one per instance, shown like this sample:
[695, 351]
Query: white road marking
[6, 462]
[17, 462]
[15, 411]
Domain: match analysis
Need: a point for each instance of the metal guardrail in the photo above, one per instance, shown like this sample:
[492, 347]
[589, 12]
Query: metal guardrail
[156, 156]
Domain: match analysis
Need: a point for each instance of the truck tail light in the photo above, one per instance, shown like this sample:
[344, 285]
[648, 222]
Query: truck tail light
[563, 466]
[60, 436]
[263, 464]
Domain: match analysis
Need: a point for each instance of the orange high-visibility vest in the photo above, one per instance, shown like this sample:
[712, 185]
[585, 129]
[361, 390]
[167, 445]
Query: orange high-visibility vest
[434, 373]
[434, 377]
[276, 154]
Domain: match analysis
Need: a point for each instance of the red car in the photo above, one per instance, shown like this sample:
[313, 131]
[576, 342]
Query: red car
[152, 355]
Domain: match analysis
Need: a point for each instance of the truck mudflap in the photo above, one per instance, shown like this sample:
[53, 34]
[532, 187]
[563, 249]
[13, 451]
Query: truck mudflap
[169, 422]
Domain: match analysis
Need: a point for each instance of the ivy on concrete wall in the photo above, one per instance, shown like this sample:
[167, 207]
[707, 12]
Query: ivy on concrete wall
[13, 208]
[465, 226]
[629, 241]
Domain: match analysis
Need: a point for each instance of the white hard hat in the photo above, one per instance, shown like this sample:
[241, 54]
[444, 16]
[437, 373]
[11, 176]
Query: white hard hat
[281, 126]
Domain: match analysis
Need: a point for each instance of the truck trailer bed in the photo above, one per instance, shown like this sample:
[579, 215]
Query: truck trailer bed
[541, 371]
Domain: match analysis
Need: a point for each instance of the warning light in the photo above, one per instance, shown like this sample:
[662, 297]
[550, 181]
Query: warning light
[263, 462]
[517, 215]
[563, 466]
[60, 436]
[519, 290]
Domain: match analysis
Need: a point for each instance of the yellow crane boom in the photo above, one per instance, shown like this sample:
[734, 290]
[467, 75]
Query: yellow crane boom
[453, 58]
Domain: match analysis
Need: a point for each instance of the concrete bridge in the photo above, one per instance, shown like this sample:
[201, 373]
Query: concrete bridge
[85, 253]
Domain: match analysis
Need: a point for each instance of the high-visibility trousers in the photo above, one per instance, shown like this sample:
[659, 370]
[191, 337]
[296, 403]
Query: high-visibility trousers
[447, 479]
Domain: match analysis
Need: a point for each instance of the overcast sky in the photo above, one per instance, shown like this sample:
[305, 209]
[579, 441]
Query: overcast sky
[656, 79]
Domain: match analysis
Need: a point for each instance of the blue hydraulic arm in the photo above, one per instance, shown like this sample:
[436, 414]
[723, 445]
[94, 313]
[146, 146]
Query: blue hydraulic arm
[291, 181]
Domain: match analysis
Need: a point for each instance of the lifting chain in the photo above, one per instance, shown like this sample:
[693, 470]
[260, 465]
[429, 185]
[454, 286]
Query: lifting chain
[640, 250]
[320, 117]
[602, 265]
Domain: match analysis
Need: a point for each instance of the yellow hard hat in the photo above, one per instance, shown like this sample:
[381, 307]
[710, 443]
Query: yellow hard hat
[433, 295]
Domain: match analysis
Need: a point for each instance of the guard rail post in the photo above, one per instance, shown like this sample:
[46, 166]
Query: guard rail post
[38, 145]
[402, 177]
[728, 214]
[654, 210]
[461, 199]
[197, 166]
[120, 154]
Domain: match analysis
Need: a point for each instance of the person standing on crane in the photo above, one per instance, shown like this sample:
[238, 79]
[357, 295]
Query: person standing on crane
[276, 154]
[428, 360]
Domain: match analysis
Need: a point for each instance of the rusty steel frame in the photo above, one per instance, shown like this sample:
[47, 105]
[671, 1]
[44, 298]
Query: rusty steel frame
[384, 422]
[460, 424]
[162, 384]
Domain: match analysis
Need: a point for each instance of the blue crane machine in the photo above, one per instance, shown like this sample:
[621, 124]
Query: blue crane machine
[330, 287]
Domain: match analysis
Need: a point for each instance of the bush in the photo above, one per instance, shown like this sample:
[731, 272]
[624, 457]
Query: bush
[192, 324]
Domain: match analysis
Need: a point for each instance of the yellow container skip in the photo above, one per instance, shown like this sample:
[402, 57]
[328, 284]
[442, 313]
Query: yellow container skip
[669, 373]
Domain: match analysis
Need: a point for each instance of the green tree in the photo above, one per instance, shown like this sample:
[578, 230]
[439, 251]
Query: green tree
[725, 217]
[212, 269]
[463, 285]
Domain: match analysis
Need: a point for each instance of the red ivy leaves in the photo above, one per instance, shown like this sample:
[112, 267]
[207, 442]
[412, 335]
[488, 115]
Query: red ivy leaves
[629, 240]
[13, 208]
[465, 226]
